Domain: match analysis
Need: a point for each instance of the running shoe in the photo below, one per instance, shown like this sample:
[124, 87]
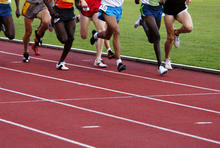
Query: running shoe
[121, 67]
[100, 63]
[168, 64]
[92, 39]
[61, 66]
[162, 70]
[35, 49]
[110, 54]
[176, 40]
[26, 57]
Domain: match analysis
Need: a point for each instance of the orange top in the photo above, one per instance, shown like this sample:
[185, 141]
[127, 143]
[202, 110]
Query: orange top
[64, 3]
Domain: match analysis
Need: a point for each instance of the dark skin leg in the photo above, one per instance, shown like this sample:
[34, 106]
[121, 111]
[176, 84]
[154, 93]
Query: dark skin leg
[152, 31]
[9, 27]
[65, 34]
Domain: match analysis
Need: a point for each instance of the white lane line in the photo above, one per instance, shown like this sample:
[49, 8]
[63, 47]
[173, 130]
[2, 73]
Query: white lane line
[111, 90]
[46, 133]
[116, 117]
[203, 123]
[91, 126]
[119, 73]
[108, 98]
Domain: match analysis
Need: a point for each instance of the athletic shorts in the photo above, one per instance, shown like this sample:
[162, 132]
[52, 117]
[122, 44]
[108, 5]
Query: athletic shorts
[30, 10]
[65, 14]
[148, 10]
[93, 8]
[174, 9]
[113, 11]
[5, 11]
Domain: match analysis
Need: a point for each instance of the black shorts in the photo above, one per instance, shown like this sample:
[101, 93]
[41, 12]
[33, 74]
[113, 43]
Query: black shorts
[174, 8]
[66, 14]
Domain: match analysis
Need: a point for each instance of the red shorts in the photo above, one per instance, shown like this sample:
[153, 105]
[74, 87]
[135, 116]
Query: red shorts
[93, 7]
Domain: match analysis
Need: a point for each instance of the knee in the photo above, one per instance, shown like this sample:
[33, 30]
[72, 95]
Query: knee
[156, 37]
[84, 36]
[63, 40]
[189, 28]
[116, 32]
[170, 37]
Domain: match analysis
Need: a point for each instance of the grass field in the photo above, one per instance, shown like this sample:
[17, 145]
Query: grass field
[199, 48]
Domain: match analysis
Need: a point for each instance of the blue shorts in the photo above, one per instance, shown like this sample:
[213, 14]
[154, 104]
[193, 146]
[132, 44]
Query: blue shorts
[148, 10]
[5, 11]
[113, 11]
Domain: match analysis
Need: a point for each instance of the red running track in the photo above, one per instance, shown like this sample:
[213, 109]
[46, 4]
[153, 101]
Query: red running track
[92, 107]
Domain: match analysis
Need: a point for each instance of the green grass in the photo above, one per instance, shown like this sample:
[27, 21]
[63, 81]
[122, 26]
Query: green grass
[199, 48]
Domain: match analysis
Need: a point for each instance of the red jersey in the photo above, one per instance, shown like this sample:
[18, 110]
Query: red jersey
[93, 7]
[64, 3]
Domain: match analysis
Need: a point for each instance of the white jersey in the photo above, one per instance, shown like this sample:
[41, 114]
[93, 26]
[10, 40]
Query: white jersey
[5, 1]
[112, 3]
[151, 2]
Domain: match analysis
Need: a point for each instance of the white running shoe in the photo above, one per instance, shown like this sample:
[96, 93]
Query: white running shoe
[162, 70]
[177, 41]
[100, 63]
[61, 66]
[168, 64]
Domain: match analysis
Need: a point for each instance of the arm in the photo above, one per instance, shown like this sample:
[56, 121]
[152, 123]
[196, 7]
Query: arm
[80, 4]
[52, 12]
[17, 8]
[188, 2]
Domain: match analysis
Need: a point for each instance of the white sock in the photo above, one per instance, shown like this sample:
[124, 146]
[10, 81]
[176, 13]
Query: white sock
[109, 49]
[118, 61]
[95, 35]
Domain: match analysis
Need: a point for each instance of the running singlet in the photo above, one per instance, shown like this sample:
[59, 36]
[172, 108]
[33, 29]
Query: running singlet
[151, 2]
[5, 1]
[112, 3]
[64, 3]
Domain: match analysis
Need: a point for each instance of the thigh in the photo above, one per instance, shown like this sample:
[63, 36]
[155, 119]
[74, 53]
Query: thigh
[28, 25]
[70, 28]
[8, 23]
[61, 31]
[151, 23]
[99, 24]
[44, 15]
[84, 25]
[111, 21]
[169, 24]
[184, 18]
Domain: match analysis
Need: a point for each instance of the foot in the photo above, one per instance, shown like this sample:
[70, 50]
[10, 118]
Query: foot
[35, 48]
[176, 40]
[100, 63]
[37, 39]
[162, 70]
[121, 67]
[168, 64]
[92, 39]
[110, 54]
[26, 57]
[61, 66]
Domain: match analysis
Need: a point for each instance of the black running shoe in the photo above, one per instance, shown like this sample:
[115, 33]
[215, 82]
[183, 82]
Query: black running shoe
[121, 67]
[26, 57]
[110, 54]
[92, 39]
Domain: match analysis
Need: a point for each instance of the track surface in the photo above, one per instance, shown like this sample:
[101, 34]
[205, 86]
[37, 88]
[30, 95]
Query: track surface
[86, 106]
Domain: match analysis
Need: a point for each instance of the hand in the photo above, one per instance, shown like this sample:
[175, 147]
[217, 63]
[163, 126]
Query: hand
[188, 2]
[17, 13]
[136, 1]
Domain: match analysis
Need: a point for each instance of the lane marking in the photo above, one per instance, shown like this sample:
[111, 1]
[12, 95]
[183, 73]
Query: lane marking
[108, 98]
[111, 90]
[46, 133]
[119, 73]
[116, 117]
[203, 123]
[90, 126]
